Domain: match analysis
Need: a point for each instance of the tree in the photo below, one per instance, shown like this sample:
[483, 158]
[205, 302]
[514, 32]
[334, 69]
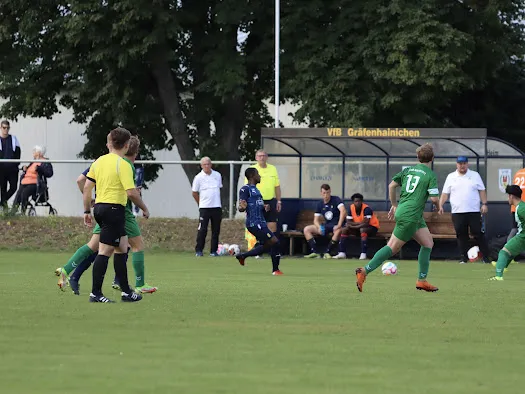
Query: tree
[433, 63]
[149, 65]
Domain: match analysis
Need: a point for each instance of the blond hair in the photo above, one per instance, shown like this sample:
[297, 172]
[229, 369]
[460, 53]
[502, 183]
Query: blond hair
[134, 145]
[425, 153]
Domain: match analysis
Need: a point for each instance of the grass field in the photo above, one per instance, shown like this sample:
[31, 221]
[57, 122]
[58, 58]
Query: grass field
[216, 327]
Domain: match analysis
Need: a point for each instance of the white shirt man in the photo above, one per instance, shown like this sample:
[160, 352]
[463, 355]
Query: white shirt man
[466, 190]
[206, 190]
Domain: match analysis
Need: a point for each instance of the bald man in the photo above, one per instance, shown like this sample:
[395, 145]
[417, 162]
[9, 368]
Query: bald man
[206, 190]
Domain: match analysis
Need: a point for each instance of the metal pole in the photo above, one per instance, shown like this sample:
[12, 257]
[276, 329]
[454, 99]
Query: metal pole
[231, 191]
[277, 53]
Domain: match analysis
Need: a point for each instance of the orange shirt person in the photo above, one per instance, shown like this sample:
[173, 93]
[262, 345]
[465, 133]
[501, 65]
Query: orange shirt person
[361, 222]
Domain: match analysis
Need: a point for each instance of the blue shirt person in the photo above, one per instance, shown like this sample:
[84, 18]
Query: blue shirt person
[329, 218]
[251, 202]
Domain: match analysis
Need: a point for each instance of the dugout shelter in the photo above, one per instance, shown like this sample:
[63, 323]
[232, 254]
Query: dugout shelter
[363, 160]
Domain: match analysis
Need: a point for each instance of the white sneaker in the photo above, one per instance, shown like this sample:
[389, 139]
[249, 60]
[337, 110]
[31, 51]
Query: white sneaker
[340, 255]
[462, 262]
[362, 256]
[259, 257]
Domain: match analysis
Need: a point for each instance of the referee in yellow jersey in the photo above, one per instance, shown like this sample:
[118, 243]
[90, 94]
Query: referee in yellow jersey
[270, 188]
[113, 177]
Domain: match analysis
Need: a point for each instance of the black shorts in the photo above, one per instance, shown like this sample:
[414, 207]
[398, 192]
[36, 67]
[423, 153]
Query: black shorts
[261, 232]
[112, 219]
[370, 231]
[271, 215]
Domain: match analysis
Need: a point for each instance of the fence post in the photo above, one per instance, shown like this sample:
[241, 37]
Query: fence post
[231, 191]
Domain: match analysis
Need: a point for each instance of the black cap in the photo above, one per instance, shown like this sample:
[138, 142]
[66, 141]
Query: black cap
[513, 190]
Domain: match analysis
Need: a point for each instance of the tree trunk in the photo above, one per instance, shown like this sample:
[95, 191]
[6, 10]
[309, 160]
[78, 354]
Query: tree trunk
[169, 97]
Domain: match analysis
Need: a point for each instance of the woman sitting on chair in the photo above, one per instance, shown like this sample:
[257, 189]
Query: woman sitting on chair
[31, 178]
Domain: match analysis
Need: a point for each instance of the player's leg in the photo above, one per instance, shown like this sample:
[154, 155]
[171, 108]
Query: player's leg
[512, 248]
[460, 221]
[79, 257]
[336, 235]
[309, 234]
[403, 232]
[216, 218]
[275, 253]
[474, 222]
[202, 231]
[121, 270]
[364, 233]
[343, 242]
[425, 240]
[137, 247]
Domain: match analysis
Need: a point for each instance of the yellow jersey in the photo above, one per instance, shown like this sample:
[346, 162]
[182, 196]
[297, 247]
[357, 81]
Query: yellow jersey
[113, 176]
[269, 180]
[519, 179]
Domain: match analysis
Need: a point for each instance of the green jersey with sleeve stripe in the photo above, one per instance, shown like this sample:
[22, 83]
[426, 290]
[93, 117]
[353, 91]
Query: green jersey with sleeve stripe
[519, 216]
[129, 206]
[417, 184]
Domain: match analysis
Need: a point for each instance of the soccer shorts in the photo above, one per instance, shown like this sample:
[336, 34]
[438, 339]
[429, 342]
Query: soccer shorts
[261, 232]
[111, 218]
[131, 227]
[516, 245]
[271, 215]
[405, 230]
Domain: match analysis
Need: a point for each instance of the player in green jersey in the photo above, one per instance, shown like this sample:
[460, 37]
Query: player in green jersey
[515, 245]
[417, 184]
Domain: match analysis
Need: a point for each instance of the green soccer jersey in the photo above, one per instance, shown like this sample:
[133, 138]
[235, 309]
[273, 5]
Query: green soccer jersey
[417, 184]
[519, 216]
[129, 206]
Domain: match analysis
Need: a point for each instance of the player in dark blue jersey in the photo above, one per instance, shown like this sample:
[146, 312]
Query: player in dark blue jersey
[329, 218]
[251, 202]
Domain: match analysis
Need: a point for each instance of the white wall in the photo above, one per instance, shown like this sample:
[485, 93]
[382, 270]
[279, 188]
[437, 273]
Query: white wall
[168, 196]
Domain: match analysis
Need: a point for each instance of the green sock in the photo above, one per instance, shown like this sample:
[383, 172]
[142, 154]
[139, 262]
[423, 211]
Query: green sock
[138, 267]
[424, 261]
[80, 255]
[503, 260]
[381, 255]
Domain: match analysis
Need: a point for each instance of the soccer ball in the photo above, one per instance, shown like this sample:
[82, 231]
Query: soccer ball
[389, 268]
[234, 249]
[225, 249]
[474, 254]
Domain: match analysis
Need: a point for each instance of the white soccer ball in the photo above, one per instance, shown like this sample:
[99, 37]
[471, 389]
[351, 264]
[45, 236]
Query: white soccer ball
[389, 268]
[234, 249]
[474, 254]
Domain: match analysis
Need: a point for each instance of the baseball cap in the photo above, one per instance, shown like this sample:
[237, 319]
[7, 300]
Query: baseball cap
[462, 159]
[513, 190]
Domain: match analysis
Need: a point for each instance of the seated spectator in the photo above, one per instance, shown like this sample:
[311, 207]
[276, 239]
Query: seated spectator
[329, 218]
[362, 222]
[33, 180]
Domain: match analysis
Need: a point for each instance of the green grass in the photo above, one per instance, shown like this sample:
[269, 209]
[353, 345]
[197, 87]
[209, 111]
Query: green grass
[216, 327]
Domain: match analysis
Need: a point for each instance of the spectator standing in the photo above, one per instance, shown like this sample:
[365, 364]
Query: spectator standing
[466, 190]
[206, 190]
[9, 149]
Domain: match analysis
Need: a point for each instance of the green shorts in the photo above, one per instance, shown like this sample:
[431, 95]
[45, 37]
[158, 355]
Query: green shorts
[516, 245]
[131, 226]
[405, 230]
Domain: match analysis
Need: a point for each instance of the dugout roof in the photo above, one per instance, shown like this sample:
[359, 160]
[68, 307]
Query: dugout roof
[384, 142]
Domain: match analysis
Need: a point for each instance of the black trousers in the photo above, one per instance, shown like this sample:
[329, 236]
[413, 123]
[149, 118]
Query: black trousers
[22, 197]
[462, 223]
[205, 216]
[8, 176]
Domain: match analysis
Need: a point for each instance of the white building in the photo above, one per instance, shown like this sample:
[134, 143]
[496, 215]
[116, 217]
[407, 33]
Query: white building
[168, 196]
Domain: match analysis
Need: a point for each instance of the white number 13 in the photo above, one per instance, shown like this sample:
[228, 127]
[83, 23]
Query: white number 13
[413, 180]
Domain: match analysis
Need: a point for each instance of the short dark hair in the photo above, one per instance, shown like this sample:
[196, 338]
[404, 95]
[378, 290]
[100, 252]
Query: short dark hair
[325, 186]
[514, 190]
[119, 137]
[5, 122]
[134, 145]
[250, 172]
[425, 153]
[357, 195]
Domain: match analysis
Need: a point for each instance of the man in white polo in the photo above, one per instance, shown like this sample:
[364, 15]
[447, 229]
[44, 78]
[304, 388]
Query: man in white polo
[206, 191]
[466, 190]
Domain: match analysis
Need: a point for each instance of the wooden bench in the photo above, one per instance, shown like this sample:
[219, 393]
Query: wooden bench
[440, 226]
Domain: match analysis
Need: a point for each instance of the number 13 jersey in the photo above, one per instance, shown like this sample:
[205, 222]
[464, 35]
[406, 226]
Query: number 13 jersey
[418, 183]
